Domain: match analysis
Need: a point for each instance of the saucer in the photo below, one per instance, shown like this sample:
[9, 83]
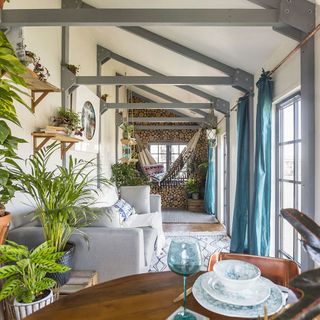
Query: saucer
[254, 295]
[274, 303]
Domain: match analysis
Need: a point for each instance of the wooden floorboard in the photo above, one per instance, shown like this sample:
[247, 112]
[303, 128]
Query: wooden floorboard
[192, 227]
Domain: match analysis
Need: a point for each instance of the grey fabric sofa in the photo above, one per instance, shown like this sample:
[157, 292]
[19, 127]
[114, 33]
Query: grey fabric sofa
[113, 252]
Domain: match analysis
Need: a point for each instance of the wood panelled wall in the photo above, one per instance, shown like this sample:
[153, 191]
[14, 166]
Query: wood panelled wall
[171, 196]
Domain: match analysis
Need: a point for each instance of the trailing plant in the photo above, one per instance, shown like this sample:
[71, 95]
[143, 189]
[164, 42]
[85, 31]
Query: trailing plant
[40, 70]
[104, 97]
[127, 130]
[73, 68]
[70, 120]
[124, 174]
[25, 271]
[192, 185]
[12, 68]
[63, 196]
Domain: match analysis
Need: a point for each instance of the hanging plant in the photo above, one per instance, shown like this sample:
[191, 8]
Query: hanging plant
[73, 68]
[41, 71]
[104, 97]
[127, 130]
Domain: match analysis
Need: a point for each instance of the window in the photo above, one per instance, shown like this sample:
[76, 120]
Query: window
[288, 167]
[166, 154]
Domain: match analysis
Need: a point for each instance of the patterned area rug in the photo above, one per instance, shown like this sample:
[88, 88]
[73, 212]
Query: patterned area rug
[210, 242]
[185, 216]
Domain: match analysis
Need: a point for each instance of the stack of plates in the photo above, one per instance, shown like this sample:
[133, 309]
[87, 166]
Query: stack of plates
[234, 294]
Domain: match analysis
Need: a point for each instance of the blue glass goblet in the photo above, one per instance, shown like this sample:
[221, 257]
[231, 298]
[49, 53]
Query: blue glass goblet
[184, 258]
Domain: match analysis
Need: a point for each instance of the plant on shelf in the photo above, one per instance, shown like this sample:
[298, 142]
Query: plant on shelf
[127, 130]
[25, 274]
[73, 68]
[124, 174]
[69, 120]
[63, 197]
[40, 70]
[193, 189]
[12, 68]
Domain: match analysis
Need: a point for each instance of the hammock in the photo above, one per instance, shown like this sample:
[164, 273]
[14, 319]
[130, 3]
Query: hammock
[155, 171]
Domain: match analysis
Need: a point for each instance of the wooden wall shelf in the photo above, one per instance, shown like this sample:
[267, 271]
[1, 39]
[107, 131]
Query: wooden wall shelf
[66, 142]
[38, 87]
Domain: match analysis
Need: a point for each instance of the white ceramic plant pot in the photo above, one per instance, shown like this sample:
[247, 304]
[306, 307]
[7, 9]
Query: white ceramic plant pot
[23, 310]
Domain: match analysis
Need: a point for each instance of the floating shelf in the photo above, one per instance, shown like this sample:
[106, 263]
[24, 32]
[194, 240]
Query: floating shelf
[66, 142]
[129, 142]
[37, 87]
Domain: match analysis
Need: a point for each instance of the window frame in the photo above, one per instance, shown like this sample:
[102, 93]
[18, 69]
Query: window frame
[294, 101]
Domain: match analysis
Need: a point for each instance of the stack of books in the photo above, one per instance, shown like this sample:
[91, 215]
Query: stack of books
[55, 130]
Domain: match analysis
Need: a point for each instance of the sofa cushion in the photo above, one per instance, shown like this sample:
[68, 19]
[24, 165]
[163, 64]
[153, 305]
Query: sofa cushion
[108, 218]
[149, 239]
[107, 196]
[138, 197]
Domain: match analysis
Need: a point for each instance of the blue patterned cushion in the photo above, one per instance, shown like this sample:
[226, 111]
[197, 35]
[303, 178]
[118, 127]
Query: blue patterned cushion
[124, 209]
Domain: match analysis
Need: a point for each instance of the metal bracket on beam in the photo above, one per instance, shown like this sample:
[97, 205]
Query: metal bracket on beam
[243, 81]
[119, 119]
[103, 54]
[299, 14]
[103, 107]
[68, 80]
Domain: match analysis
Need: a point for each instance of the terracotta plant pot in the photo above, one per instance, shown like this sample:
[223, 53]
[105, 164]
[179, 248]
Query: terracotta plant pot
[1, 4]
[4, 226]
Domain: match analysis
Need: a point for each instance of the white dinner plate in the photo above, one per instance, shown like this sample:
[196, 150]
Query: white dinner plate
[274, 303]
[254, 295]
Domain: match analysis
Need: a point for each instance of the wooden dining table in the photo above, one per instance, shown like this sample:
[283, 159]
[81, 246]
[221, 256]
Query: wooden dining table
[143, 296]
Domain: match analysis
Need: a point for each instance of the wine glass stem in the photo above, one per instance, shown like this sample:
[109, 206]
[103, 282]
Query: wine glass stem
[184, 294]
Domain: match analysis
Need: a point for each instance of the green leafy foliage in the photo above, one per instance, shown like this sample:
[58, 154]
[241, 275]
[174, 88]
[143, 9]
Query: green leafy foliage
[12, 69]
[124, 174]
[25, 271]
[63, 195]
[127, 130]
[192, 185]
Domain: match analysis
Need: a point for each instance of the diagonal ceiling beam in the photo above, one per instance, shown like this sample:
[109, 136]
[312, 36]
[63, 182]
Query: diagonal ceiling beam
[173, 105]
[180, 49]
[219, 104]
[167, 97]
[132, 80]
[139, 17]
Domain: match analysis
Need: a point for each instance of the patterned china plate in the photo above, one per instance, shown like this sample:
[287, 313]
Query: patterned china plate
[254, 295]
[273, 303]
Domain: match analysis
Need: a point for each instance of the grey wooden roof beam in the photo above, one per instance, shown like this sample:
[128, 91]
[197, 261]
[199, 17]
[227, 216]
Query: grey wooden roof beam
[173, 105]
[219, 104]
[139, 17]
[167, 119]
[180, 49]
[132, 80]
[172, 127]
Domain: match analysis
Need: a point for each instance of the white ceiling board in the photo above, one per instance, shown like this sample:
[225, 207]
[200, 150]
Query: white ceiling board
[240, 47]
[163, 4]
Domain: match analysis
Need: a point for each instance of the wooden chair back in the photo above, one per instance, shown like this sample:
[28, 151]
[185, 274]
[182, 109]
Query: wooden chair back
[279, 271]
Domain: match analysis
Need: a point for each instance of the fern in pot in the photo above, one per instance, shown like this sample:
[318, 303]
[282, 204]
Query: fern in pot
[25, 274]
[63, 197]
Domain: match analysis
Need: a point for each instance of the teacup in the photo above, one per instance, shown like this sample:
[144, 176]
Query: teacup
[236, 275]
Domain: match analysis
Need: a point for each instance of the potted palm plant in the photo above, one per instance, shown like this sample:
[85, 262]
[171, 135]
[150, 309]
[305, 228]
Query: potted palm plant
[193, 189]
[11, 70]
[25, 276]
[63, 197]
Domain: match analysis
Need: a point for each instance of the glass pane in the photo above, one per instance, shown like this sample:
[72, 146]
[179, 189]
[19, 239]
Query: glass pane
[298, 146]
[299, 197]
[287, 237]
[155, 156]
[154, 148]
[288, 162]
[287, 195]
[162, 148]
[175, 149]
[298, 131]
[288, 123]
[174, 157]
[162, 157]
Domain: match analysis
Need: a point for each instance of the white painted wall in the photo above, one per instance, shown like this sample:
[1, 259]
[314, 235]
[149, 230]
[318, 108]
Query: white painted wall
[46, 43]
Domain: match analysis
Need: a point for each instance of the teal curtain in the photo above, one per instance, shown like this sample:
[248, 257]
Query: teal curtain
[260, 220]
[239, 237]
[209, 191]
